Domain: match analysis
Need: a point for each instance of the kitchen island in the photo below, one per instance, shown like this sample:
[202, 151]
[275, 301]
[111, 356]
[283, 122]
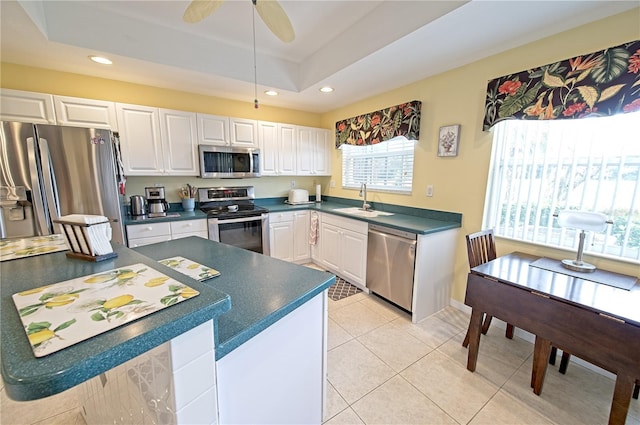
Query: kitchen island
[270, 303]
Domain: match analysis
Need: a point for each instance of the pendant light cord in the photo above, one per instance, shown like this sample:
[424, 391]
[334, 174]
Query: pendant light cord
[255, 68]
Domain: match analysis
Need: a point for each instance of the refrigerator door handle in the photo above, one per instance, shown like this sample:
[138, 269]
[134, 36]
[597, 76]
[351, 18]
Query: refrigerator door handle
[49, 180]
[40, 212]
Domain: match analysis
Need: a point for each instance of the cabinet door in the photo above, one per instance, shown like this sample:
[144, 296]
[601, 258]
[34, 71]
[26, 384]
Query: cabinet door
[213, 130]
[23, 106]
[88, 113]
[287, 147]
[301, 248]
[305, 147]
[330, 246]
[269, 149]
[354, 256]
[244, 133]
[139, 129]
[281, 240]
[179, 142]
[322, 151]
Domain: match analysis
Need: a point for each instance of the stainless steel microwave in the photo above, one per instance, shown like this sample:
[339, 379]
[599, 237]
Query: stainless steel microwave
[226, 162]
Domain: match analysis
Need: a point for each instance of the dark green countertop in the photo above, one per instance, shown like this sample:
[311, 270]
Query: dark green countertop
[172, 215]
[262, 289]
[415, 220]
[28, 378]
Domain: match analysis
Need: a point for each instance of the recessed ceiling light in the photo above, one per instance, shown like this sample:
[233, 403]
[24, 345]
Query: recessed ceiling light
[271, 92]
[100, 60]
[326, 89]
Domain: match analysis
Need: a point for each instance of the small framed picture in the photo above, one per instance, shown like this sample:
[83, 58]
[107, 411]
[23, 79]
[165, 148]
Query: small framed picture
[448, 139]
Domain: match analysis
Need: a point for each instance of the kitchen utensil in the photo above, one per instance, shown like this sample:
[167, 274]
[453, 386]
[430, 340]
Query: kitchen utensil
[139, 205]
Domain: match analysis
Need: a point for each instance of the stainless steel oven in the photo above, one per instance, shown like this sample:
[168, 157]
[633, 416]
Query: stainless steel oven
[234, 219]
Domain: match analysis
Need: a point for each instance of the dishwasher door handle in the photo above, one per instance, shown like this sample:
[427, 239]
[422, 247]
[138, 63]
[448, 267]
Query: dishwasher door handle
[390, 236]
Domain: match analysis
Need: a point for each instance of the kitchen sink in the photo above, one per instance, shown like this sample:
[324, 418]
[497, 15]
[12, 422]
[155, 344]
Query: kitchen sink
[362, 213]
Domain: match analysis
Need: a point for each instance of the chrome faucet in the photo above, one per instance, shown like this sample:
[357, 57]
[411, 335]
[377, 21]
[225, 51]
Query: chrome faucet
[363, 193]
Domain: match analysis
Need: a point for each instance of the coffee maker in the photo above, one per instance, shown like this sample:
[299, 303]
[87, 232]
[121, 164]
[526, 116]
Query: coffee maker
[157, 204]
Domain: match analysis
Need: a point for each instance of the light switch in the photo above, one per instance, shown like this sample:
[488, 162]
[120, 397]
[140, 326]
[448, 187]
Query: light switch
[430, 190]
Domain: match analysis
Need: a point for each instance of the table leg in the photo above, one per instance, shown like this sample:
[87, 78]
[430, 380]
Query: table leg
[475, 327]
[541, 350]
[621, 398]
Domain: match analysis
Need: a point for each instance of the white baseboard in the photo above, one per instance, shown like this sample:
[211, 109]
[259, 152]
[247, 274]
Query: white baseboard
[529, 337]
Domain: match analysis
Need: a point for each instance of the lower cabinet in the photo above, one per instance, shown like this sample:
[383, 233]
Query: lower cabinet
[343, 248]
[289, 236]
[148, 233]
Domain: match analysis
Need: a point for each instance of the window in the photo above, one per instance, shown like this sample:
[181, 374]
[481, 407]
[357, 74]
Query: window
[539, 168]
[386, 166]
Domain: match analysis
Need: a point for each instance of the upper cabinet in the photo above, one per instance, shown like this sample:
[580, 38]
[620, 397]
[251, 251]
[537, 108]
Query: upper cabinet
[178, 132]
[244, 133]
[139, 128]
[156, 141]
[213, 130]
[277, 148]
[16, 105]
[226, 131]
[89, 113]
[313, 151]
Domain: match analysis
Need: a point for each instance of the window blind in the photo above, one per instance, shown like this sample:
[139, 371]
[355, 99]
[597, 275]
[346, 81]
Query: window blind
[384, 166]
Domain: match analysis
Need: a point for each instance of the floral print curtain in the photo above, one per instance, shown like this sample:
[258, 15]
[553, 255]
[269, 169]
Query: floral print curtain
[379, 126]
[597, 84]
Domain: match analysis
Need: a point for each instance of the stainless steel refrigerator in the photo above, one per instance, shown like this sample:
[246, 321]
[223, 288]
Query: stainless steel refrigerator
[50, 171]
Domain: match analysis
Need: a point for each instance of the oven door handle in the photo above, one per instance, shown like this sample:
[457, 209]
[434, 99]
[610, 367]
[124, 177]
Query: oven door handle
[240, 220]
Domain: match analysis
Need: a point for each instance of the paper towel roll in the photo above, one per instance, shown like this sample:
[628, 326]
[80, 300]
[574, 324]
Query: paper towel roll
[318, 193]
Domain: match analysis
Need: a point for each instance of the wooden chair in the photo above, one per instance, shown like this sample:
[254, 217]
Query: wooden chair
[481, 248]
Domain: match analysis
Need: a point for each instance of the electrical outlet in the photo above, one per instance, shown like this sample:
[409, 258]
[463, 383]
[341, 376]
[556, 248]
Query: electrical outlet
[293, 184]
[332, 183]
[430, 190]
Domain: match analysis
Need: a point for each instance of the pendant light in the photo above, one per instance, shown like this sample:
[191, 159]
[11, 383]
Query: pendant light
[255, 68]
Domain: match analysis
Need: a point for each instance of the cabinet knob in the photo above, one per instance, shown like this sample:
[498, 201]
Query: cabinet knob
[149, 228]
[189, 224]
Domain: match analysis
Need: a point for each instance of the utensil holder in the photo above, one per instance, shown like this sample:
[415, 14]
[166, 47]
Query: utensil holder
[188, 204]
[77, 238]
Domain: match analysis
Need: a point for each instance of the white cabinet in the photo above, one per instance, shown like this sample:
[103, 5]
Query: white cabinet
[343, 248]
[179, 142]
[139, 128]
[277, 148]
[22, 106]
[313, 151]
[148, 233]
[227, 131]
[89, 113]
[289, 236]
[244, 133]
[156, 141]
[213, 130]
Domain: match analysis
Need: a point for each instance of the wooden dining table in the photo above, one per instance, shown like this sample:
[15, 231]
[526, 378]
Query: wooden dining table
[596, 322]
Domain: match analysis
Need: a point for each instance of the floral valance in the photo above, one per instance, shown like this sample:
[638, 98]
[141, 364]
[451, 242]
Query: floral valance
[602, 83]
[379, 126]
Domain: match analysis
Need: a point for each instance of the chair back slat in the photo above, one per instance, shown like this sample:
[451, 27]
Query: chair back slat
[481, 247]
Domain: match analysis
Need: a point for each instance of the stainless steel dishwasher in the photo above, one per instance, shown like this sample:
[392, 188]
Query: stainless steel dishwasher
[391, 258]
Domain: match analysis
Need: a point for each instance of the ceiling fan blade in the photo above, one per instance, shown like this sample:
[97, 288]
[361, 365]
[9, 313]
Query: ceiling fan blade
[276, 19]
[200, 9]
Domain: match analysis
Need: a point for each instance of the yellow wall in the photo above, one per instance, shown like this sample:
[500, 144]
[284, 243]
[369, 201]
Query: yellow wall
[457, 97]
[453, 97]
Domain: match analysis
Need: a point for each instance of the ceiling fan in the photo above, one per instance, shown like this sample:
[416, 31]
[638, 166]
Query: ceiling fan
[270, 11]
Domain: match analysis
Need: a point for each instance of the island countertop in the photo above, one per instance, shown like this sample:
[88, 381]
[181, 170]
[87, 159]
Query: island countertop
[28, 378]
[262, 289]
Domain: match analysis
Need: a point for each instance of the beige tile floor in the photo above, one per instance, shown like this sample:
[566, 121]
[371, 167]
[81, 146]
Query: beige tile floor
[385, 370]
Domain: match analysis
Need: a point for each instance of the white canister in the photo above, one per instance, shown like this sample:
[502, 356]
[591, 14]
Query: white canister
[318, 193]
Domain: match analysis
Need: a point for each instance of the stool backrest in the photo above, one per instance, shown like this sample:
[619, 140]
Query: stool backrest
[481, 247]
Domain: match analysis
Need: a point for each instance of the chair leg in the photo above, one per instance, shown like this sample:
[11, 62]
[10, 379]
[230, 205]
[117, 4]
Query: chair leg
[553, 354]
[509, 332]
[485, 325]
[636, 389]
[564, 362]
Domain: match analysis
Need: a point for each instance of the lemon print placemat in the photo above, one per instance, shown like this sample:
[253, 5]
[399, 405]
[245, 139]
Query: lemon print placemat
[60, 315]
[192, 269]
[11, 249]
